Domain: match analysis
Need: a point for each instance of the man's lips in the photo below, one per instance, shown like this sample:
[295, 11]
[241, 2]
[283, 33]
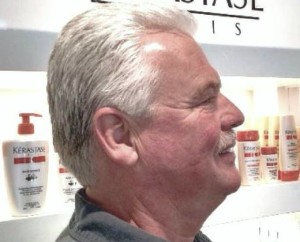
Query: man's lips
[227, 150]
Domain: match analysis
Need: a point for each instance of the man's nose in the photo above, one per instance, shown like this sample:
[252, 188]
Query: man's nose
[231, 115]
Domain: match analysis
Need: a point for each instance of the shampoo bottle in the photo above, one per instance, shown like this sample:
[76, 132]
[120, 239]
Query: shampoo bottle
[68, 184]
[26, 169]
[288, 149]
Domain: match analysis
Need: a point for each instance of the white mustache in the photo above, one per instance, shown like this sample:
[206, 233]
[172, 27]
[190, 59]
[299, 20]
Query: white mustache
[227, 141]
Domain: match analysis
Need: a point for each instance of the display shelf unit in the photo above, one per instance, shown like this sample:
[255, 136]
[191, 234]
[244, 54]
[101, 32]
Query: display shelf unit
[247, 203]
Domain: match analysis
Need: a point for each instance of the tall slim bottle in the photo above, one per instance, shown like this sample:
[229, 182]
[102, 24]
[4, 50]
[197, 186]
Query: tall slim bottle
[288, 149]
[274, 131]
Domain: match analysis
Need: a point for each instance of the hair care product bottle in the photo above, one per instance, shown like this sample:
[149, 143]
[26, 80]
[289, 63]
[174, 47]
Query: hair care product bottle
[249, 156]
[269, 164]
[274, 131]
[26, 169]
[68, 183]
[288, 149]
[298, 141]
[263, 130]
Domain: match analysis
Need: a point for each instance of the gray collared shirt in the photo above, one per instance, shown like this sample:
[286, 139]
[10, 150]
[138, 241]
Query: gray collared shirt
[91, 224]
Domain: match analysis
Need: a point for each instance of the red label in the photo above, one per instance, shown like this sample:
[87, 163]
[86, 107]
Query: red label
[256, 154]
[26, 160]
[62, 170]
[38, 159]
[22, 160]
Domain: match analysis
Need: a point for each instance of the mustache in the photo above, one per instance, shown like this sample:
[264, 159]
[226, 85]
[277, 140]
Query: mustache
[227, 140]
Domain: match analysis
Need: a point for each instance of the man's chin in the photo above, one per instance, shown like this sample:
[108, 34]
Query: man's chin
[233, 185]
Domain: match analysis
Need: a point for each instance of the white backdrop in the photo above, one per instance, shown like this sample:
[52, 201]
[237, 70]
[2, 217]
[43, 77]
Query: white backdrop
[272, 23]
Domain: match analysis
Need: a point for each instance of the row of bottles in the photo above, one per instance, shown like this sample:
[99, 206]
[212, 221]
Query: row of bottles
[26, 164]
[269, 153]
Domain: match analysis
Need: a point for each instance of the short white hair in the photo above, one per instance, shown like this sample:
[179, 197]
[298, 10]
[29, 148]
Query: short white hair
[96, 62]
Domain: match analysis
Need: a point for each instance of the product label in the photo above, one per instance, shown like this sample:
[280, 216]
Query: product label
[269, 164]
[26, 168]
[289, 151]
[69, 185]
[249, 162]
[26, 154]
[31, 206]
[265, 137]
[29, 191]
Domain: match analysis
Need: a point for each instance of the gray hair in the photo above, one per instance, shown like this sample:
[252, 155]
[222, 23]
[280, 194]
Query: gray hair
[97, 62]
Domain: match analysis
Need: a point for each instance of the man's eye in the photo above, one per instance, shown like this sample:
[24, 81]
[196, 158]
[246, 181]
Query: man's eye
[210, 100]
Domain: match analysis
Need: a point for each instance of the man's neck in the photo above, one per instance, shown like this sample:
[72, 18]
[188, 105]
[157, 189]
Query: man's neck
[174, 222]
[157, 215]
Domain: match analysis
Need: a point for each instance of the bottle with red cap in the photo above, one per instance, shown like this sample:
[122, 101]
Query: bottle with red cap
[26, 168]
[249, 156]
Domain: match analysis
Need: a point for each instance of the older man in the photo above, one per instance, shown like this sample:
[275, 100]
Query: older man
[138, 117]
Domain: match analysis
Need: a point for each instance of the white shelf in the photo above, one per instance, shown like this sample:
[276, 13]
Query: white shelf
[247, 203]
[251, 202]
[44, 228]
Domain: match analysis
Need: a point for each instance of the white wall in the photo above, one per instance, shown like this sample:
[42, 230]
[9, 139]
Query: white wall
[278, 24]
[46, 15]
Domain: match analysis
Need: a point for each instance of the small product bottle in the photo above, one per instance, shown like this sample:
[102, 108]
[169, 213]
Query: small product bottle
[269, 164]
[262, 124]
[274, 131]
[26, 169]
[249, 156]
[288, 149]
[68, 183]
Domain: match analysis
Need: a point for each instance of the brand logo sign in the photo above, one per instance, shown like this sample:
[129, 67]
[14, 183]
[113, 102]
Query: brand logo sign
[223, 10]
[28, 154]
[271, 23]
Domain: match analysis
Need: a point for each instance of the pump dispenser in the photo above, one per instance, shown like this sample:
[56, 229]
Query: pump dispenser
[26, 127]
[26, 168]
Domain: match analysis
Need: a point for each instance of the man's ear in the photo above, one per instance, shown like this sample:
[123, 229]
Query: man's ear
[113, 133]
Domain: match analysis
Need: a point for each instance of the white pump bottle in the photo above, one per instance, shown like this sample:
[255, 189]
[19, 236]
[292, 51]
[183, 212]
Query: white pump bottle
[26, 169]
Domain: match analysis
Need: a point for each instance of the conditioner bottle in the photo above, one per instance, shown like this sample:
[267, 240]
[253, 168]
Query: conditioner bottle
[26, 169]
[288, 149]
